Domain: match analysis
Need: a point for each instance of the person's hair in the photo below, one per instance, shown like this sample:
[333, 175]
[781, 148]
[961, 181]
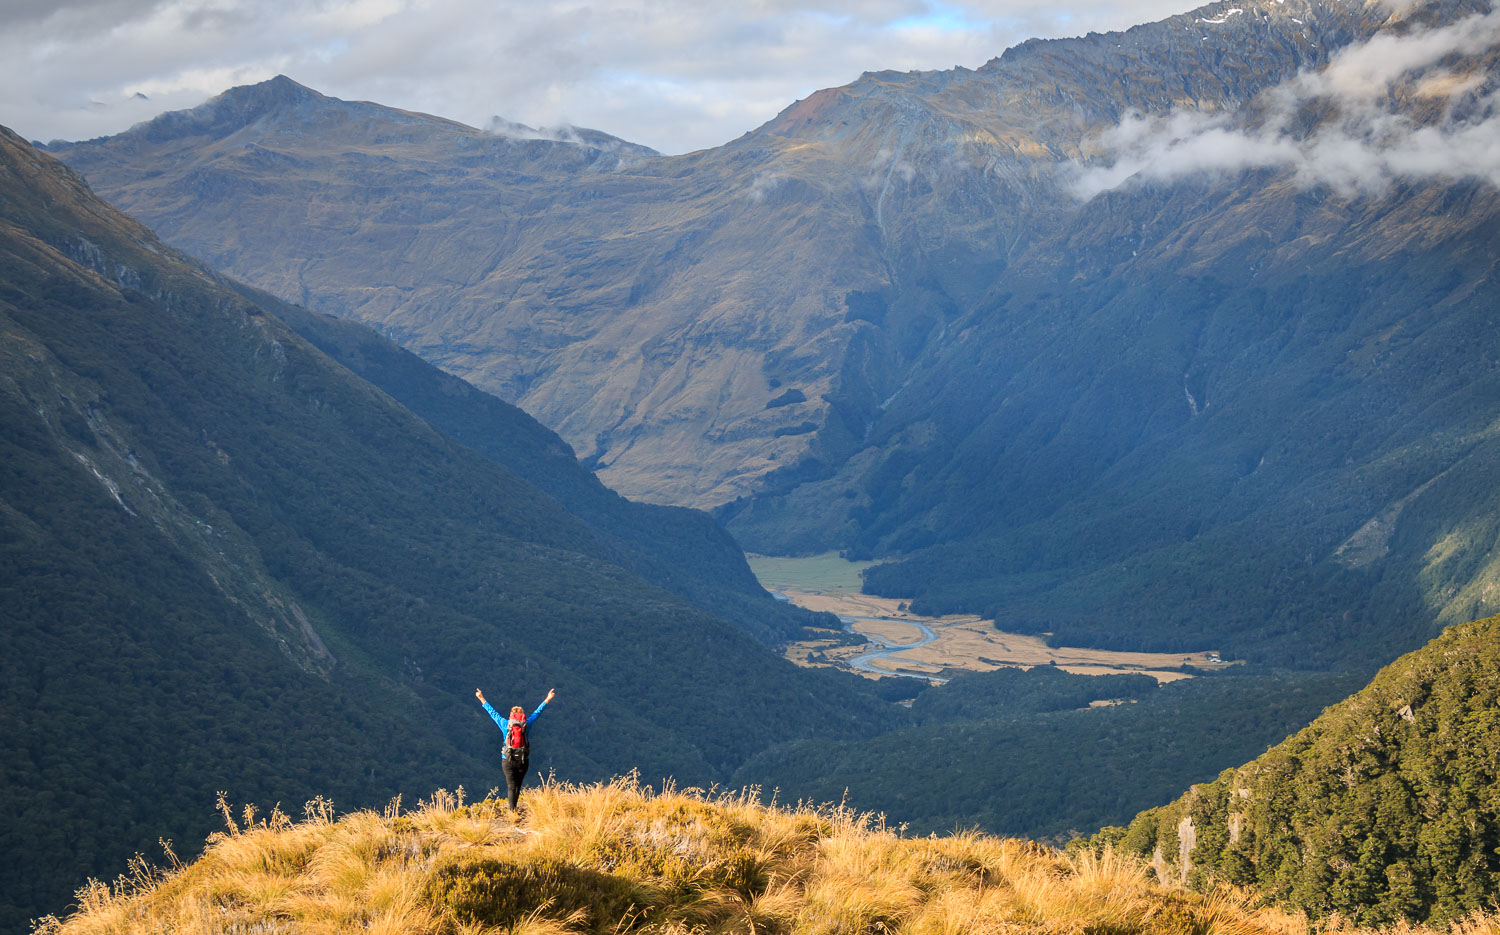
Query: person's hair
[517, 709]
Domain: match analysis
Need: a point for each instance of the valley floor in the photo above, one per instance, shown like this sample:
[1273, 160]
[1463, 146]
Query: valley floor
[932, 645]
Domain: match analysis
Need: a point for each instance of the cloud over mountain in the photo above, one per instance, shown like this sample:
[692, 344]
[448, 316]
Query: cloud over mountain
[1419, 105]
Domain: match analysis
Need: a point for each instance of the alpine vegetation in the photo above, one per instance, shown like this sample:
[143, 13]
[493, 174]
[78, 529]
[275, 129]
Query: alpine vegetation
[617, 858]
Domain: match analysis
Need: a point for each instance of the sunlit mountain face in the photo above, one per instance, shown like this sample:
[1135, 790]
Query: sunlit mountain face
[1171, 338]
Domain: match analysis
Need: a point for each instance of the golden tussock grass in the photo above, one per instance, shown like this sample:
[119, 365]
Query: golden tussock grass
[616, 859]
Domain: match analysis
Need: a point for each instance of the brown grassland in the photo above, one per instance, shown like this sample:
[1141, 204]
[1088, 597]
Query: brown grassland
[618, 858]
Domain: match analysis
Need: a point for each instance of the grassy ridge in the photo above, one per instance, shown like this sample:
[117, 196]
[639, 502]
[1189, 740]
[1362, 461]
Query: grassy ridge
[617, 858]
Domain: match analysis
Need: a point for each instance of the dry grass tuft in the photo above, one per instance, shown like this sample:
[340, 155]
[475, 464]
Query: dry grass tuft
[618, 859]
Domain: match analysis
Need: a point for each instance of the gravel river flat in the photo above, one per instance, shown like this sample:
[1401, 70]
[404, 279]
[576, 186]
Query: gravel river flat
[914, 645]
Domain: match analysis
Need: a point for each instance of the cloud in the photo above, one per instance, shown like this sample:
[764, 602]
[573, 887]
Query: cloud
[1393, 107]
[762, 185]
[676, 75]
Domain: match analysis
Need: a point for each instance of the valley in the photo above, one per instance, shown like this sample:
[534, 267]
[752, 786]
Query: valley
[915, 645]
[888, 323]
[1070, 500]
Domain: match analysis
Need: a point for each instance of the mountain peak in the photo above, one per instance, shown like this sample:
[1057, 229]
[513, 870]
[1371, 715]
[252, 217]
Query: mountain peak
[232, 110]
[269, 93]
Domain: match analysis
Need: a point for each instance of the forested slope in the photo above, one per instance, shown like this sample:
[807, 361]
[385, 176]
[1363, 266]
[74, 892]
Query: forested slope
[684, 551]
[1022, 752]
[1386, 807]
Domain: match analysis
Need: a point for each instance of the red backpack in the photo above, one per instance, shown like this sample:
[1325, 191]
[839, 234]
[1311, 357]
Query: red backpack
[515, 738]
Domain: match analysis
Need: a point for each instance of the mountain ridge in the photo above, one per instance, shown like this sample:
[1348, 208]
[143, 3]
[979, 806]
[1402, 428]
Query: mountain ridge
[833, 209]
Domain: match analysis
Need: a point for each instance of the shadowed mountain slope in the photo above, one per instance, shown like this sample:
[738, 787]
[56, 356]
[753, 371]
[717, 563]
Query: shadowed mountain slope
[684, 551]
[1235, 411]
[1289, 454]
[228, 562]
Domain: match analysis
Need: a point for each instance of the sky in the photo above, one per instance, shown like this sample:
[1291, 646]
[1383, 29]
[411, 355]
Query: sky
[676, 75]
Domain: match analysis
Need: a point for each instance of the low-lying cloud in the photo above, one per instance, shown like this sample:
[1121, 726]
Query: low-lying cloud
[1419, 105]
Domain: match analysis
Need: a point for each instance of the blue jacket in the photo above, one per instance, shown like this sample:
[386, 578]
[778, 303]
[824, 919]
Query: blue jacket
[504, 723]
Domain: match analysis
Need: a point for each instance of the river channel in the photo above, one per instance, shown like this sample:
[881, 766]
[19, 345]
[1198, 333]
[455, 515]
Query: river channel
[865, 662]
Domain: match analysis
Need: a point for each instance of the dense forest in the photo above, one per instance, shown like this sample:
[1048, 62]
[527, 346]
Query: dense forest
[981, 741]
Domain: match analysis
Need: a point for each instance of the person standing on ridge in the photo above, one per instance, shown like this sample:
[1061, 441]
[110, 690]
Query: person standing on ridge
[517, 752]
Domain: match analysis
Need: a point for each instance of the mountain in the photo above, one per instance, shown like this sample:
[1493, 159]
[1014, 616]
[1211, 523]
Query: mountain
[1385, 808]
[227, 562]
[665, 315]
[681, 550]
[1247, 409]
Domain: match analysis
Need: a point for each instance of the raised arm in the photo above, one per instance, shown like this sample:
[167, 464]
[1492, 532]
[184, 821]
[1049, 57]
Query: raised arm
[504, 722]
[551, 693]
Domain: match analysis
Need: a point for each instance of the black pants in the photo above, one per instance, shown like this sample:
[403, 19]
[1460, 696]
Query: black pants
[515, 767]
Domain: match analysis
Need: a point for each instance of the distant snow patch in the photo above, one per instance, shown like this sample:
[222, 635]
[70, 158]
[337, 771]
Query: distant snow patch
[1223, 19]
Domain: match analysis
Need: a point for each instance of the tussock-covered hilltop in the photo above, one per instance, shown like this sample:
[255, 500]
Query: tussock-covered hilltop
[618, 859]
[1386, 807]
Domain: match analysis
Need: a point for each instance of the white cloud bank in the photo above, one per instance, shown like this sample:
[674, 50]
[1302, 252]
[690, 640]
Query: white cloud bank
[675, 75]
[1396, 113]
